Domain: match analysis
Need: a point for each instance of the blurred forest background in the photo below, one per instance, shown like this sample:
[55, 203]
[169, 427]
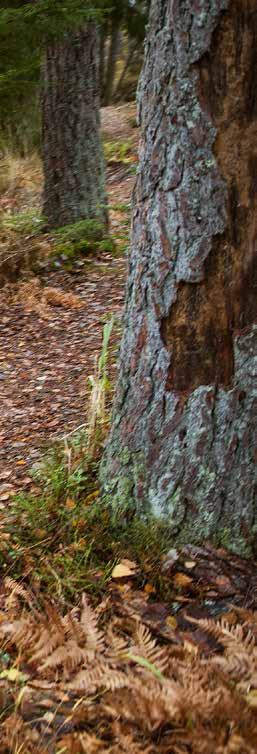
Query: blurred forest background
[25, 29]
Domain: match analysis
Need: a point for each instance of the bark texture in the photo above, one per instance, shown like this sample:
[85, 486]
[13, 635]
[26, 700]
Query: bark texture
[183, 442]
[74, 186]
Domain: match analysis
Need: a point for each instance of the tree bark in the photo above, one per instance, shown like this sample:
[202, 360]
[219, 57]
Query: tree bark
[74, 185]
[183, 441]
[103, 36]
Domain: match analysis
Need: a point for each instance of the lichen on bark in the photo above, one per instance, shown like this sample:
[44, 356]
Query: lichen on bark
[186, 401]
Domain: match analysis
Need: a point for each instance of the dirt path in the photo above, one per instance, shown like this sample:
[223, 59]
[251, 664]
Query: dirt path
[47, 354]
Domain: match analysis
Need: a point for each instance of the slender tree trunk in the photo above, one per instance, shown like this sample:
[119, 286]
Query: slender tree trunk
[133, 46]
[112, 60]
[184, 443]
[74, 186]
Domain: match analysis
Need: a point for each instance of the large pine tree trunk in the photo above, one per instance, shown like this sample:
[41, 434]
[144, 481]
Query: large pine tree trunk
[74, 186]
[184, 441]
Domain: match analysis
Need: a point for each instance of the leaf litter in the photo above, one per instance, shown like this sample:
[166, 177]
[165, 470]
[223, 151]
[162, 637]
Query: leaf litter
[50, 335]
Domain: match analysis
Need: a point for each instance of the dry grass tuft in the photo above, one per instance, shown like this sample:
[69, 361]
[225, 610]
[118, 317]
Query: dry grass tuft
[20, 175]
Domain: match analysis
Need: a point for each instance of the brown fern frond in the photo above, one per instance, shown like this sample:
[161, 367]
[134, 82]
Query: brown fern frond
[88, 622]
[214, 628]
[72, 628]
[55, 620]
[117, 645]
[227, 634]
[18, 736]
[100, 676]
[143, 703]
[237, 665]
[49, 635]
[248, 682]
[44, 645]
[86, 683]
[147, 647]
[91, 744]
[78, 743]
[126, 742]
[68, 656]
[18, 632]
[17, 590]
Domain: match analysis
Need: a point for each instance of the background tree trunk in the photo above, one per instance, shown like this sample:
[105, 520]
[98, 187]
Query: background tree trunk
[112, 60]
[183, 441]
[133, 46]
[74, 187]
[102, 54]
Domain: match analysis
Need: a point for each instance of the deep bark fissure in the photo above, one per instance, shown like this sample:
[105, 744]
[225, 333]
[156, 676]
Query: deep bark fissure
[183, 439]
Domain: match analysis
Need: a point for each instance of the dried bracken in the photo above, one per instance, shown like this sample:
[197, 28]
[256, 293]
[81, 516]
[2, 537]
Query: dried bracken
[37, 299]
[98, 682]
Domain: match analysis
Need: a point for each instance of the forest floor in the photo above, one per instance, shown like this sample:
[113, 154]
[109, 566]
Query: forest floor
[49, 345]
[111, 640]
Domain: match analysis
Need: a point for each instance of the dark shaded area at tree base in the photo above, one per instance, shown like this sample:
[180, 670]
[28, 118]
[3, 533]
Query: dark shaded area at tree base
[208, 583]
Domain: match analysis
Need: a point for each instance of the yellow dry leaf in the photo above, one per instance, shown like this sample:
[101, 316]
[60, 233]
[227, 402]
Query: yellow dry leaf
[89, 499]
[5, 496]
[14, 675]
[80, 545]
[171, 621]
[40, 533]
[124, 589]
[191, 648]
[49, 717]
[182, 581]
[149, 589]
[124, 569]
[251, 698]
[21, 462]
[70, 504]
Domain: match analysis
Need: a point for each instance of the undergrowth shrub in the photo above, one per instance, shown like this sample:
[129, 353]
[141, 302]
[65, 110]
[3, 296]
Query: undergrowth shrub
[118, 151]
[92, 230]
[86, 236]
[64, 537]
[30, 222]
[17, 172]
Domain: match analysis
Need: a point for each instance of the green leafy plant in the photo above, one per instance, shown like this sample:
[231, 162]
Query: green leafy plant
[118, 151]
[64, 536]
[91, 230]
[82, 237]
[120, 207]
